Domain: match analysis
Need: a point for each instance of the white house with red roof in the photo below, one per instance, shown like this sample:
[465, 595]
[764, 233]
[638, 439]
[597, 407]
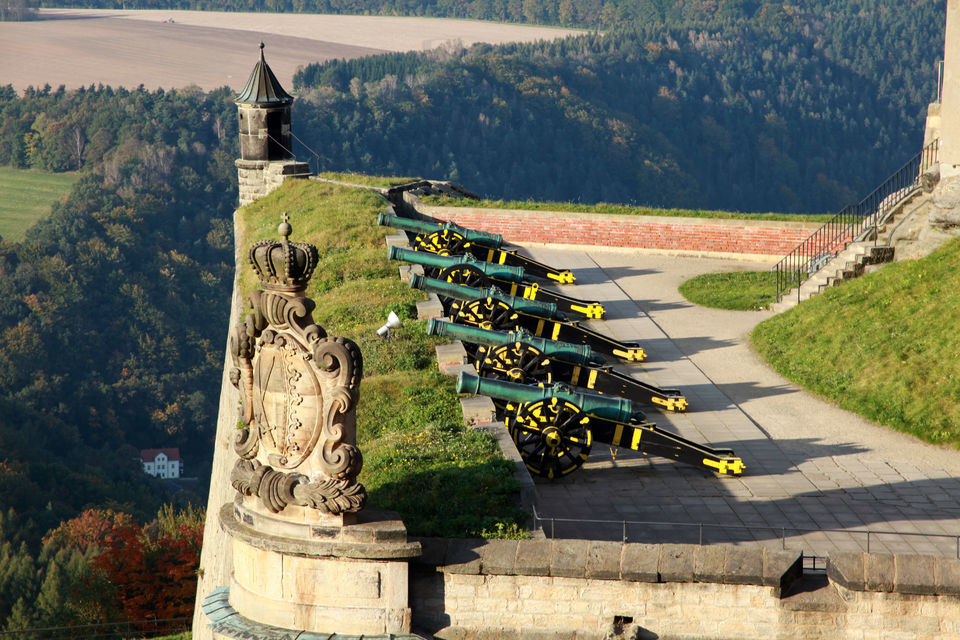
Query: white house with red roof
[162, 463]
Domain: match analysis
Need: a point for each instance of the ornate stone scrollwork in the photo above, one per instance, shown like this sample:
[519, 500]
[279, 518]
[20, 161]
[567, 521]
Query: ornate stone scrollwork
[299, 391]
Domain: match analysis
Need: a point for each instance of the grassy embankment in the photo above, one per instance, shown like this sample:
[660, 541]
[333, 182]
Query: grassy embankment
[27, 195]
[372, 181]
[734, 290]
[419, 460]
[885, 346]
[620, 209]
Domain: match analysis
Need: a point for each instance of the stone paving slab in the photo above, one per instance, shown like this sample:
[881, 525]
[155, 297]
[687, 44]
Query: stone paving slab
[809, 465]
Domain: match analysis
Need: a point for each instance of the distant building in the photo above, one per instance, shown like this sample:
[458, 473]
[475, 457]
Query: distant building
[162, 463]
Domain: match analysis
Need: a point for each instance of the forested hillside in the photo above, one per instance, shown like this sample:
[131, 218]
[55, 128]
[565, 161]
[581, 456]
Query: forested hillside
[786, 110]
[112, 315]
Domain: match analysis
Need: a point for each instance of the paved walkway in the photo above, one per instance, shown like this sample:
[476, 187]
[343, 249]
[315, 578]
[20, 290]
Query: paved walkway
[809, 464]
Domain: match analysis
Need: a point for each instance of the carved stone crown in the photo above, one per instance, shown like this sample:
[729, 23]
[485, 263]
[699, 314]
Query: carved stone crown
[284, 265]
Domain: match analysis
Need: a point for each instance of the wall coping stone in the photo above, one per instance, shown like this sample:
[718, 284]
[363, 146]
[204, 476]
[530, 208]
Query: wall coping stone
[743, 566]
[569, 559]
[603, 560]
[676, 563]
[609, 560]
[640, 562]
[499, 559]
[709, 563]
[899, 573]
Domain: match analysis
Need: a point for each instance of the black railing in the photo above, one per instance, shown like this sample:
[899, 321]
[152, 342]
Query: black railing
[701, 533]
[854, 222]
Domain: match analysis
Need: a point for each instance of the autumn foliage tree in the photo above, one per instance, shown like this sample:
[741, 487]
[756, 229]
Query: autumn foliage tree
[134, 572]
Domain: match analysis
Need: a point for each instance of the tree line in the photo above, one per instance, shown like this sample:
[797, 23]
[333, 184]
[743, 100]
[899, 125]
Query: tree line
[786, 110]
[112, 315]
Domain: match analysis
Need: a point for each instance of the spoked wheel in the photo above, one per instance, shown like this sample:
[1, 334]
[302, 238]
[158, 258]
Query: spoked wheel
[486, 313]
[552, 436]
[467, 275]
[443, 242]
[462, 274]
[516, 362]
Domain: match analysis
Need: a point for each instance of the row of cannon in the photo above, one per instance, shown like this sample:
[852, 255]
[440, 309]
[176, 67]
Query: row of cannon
[550, 378]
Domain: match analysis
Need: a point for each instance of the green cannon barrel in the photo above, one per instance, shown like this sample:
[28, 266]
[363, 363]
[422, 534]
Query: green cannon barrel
[498, 271]
[564, 351]
[423, 226]
[460, 292]
[607, 407]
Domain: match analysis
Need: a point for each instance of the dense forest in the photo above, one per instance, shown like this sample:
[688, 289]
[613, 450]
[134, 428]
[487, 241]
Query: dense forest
[112, 316]
[785, 110]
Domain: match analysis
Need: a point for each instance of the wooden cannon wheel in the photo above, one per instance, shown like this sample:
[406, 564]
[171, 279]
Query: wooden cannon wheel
[552, 436]
[462, 274]
[516, 362]
[443, 242]
[486, 313]
[465, 274]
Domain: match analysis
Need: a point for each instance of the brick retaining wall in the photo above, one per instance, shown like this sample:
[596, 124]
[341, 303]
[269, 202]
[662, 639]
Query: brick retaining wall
[682, 235]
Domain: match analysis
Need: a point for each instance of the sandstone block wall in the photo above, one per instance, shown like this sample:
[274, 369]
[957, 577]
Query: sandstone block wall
[688, 236]
[532, 589]
[259, 178]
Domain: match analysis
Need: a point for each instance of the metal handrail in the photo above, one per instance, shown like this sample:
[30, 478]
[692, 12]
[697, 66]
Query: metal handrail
[852, 223]
[539, 521]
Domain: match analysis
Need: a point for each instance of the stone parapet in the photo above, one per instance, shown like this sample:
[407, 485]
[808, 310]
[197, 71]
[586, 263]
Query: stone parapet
[258, 178]
[578, 589]
[897, 573]
[606, 560]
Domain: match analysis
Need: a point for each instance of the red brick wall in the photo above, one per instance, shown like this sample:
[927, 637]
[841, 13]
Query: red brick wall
[643, 232]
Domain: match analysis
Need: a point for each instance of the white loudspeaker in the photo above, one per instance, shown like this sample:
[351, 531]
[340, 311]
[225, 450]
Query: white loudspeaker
[393, 321]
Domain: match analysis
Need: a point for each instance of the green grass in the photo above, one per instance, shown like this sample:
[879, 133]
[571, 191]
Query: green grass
[619, 209]
[419, 459]
[372, 181]
[27, 196]
[735, 290]
[885, 346]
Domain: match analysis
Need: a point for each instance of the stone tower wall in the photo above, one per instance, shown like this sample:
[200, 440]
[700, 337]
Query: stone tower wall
[258, 178]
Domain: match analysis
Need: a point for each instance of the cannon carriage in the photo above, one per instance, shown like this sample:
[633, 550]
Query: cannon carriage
[449, 239]
[521, 357]
[469, 271]
[492, 309]
[554, 427]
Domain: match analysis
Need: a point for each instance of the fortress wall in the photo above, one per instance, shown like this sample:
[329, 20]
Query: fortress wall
[759, 238]
[536, 589]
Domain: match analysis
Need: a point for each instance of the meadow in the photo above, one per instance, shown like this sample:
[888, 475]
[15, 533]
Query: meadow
[27, 195]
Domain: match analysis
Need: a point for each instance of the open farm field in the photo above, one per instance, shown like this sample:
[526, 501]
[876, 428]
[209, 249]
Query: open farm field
[172, 49]
[27, 195]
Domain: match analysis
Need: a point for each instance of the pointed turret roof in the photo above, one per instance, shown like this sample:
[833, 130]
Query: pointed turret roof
[263, 87]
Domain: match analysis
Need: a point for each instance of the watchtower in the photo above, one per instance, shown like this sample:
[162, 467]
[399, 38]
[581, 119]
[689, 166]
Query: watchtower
[266, 142]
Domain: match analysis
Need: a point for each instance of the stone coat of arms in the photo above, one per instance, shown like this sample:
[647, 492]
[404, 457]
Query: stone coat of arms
[299, 391]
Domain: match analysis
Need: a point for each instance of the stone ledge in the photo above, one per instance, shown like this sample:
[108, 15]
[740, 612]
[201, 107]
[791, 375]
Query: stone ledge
[391, 549]
[602, 560]
[407, 269]
[451, 355]
[429, 308]
[899, 573]
[477, 410]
